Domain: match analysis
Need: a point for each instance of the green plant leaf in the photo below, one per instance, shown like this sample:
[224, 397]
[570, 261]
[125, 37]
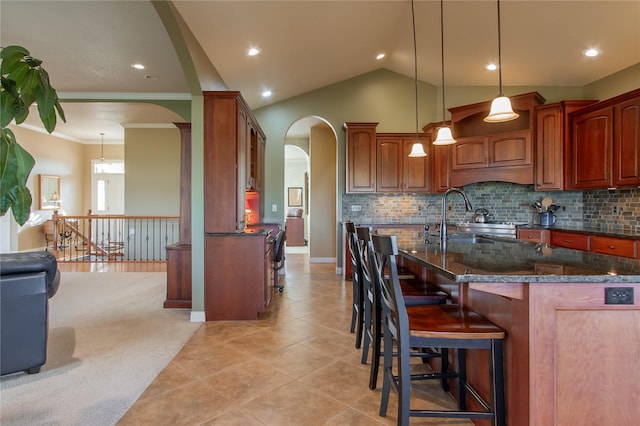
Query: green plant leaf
[15, 165]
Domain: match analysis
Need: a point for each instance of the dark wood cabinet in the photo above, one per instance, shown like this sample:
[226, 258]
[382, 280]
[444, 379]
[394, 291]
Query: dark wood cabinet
[534, 235]
[395, 170]
[605, 143]
[626, 143]
[552, 138]
[228, 128]
[361, 156]
[493, 151]
[440, 159]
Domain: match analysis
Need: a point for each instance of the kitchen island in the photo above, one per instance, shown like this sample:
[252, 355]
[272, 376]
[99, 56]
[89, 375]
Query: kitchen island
[572, 320]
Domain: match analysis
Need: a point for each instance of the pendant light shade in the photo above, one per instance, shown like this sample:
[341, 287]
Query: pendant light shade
[444, 137]
[501, 109]
[417, 150]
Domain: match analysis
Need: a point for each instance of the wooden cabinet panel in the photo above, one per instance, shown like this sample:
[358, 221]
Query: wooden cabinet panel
[361, 156]
[626, 146]
[470, 153]
[511, 149]
[535, 235]
[592, 149]
[570, 240]
[552, 141]
[417, 171]
[440, 159]
[389, 163]
[615, 246]
[605, 143]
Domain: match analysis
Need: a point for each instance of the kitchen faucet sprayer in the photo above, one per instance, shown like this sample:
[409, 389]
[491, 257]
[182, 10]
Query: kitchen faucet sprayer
[443, 223]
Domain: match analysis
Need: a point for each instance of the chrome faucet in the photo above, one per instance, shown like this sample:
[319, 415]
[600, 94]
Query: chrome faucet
[443, 224]
[427, 224]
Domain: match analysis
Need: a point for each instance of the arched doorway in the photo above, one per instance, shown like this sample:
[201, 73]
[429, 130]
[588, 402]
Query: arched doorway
[311, 146]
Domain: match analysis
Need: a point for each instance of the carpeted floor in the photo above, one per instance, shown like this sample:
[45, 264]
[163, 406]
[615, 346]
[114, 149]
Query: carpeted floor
[108, 339]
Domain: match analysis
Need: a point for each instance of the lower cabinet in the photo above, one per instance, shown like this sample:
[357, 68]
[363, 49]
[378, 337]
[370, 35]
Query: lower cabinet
[615, 246]
[238, 276]
[570, 240]
[534, 235]
[178, 276]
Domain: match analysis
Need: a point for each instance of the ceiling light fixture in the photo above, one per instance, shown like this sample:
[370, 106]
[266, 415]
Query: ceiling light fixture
[417, 150]
[380, 56]
[501, 106]
[444, 136]
[138, 66]
[253, 51]
[266, 93]
[591, 53]
[102, 148]
[491, 67]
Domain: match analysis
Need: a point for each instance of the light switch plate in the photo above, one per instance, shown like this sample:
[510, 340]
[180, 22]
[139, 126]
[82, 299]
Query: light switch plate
[274, 207]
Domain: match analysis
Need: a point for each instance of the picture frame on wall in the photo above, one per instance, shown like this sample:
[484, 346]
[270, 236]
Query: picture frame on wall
[295, 196]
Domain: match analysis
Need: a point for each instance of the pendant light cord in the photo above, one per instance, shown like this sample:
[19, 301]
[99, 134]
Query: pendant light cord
[442, 52]
[415, 64]
[102, 148]
[499, 53]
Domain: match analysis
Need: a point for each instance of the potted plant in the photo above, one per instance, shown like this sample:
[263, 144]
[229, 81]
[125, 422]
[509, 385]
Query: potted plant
[24, 82]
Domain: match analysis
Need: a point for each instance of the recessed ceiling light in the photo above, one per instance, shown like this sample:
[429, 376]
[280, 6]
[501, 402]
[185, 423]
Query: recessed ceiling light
[491, 67]
[380, 56]
[266, 93]
[591, 52]
[253, 51]
[138, 66]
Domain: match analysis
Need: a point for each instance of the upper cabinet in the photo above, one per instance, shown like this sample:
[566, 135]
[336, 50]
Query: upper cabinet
[361, 156]
[605, 144]
[395, 170]
[493, 151]
[552, 130]
[440, 159]
[233, 160]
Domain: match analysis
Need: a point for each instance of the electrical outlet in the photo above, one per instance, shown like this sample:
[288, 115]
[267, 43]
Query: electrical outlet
[356, 208]
[132, 231]
[618, 296]
[615, 209]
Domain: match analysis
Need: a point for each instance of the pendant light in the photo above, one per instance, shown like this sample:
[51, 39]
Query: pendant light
[417, 150]
[501, 106]
[444, 136]
[102, 148]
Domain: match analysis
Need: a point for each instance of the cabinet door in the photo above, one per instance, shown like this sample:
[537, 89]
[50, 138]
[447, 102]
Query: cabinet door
[416, 171]
[241, 169]
[361, 157]
[441, 155]
[591, 146]
[389, 163]
[510, 149]
[534, 235]
[470, 153]
[626, 143]
[549, 144]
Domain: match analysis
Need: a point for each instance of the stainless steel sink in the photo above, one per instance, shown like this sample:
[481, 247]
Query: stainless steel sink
[499, 229]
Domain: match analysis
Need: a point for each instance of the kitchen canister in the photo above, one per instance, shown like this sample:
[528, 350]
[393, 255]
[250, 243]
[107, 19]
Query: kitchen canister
[547, 219]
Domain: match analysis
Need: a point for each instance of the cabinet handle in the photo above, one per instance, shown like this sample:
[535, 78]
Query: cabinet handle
[612, 247]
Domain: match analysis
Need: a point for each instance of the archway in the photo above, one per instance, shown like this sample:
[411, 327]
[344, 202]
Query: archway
[311, 171]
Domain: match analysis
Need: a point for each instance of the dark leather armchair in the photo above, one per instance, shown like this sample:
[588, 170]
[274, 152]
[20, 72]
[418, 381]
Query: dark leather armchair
[27, 281]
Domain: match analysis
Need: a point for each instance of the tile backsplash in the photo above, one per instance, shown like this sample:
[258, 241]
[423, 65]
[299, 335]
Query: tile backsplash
[618, 209]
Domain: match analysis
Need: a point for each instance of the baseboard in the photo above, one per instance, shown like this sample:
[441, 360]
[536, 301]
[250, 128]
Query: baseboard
[198, 316]
[322, 260]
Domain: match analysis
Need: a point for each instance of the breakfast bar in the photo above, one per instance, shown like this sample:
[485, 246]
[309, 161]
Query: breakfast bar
[572, 320]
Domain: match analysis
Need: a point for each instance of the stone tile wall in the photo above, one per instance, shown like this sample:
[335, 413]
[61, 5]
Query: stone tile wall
[506, 201]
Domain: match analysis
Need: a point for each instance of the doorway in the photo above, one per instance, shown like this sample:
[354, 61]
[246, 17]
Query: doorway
[107, 187]
[317, 139]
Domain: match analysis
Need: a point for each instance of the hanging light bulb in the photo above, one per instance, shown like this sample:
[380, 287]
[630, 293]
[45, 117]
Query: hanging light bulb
[102, 148]
[444, 136]
[501, 109]
[417, 150]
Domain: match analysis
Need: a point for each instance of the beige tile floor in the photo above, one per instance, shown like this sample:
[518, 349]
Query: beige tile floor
[296, 365]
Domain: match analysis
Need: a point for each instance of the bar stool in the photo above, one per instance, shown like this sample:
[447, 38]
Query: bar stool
[357, 311]
[372, 310]
[439, 326]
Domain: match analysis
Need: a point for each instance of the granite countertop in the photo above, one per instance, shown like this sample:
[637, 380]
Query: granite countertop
[507, 260]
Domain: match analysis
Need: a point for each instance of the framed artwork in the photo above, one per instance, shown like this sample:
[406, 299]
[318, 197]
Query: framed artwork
[295, 197]
[49, 187]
